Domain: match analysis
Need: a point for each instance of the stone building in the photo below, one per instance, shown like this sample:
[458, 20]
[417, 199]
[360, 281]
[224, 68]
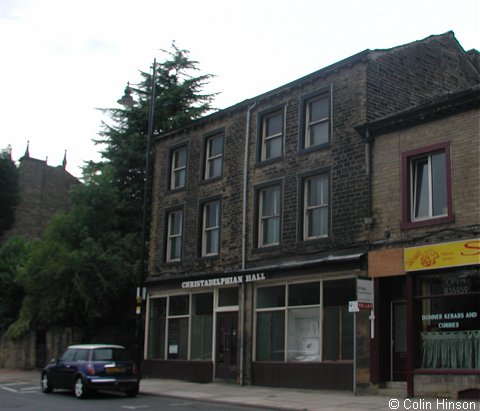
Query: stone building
[262, 219]
[43, 193]
[425, 245]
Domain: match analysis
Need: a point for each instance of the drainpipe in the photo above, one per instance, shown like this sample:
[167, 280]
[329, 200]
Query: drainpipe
[244, 242]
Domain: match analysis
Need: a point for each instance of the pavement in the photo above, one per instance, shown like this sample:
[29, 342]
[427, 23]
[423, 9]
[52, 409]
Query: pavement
[268, 398]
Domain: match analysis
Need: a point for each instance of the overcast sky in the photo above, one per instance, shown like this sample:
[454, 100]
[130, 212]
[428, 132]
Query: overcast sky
[63, 59]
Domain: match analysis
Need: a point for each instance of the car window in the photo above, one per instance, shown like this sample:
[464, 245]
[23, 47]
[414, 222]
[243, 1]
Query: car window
[110, 354]
[82, 355]
[68, 355]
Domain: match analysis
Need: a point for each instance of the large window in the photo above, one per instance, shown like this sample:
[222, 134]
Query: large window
[211, 228]
[271, 135]
[316, 200]
[174, 235]
[178, 168]
[427, 191]
[289, 321]
[269, 215]
[184, 330]
[447, 318]
[316, 120]
[213, 156]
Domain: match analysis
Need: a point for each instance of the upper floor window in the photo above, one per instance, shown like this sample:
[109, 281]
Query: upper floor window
[427, 186]
[211, 228]
[316, 193]
[178, 168]
[214, 156]
[316, 115]
[269, 216]
[174, 237]
[271, 135]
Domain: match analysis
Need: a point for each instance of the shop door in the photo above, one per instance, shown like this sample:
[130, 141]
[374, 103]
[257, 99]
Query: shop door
[226, 347]
[399, 340]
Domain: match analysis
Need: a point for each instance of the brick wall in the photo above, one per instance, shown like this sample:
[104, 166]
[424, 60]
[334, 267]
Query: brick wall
[413, 73]
[462, 131]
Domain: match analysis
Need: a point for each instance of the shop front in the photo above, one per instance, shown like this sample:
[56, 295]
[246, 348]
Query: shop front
[445, 301]
[428, 318]
[288, 327]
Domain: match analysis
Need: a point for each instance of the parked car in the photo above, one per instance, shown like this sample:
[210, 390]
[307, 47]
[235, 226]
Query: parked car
[90, 367]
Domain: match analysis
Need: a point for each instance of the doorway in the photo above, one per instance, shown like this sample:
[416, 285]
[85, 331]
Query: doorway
[226, 345]
[398, 340]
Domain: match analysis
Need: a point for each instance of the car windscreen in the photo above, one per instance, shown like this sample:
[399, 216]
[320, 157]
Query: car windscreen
[110, 354]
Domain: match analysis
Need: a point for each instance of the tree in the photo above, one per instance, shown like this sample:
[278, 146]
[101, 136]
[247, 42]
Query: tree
[9, 192]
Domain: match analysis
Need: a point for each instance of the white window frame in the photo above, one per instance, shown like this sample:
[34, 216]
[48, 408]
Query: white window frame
[307, 207]
[174, 236]
[262, 219]
[414, 185]
[211, 159]
[311, 123]
[206, 230]
[174, 170]
[266, 139]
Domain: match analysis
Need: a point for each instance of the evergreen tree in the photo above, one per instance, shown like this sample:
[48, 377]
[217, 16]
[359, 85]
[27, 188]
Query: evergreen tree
[9, 191]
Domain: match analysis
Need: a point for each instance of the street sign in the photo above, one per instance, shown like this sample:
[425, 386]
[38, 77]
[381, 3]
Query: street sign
[353, 307]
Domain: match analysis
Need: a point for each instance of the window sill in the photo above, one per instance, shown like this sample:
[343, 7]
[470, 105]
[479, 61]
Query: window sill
[211, 180]
[267, 249]
[319, 147]
[408, 225]
[450, 371]
[263, 163]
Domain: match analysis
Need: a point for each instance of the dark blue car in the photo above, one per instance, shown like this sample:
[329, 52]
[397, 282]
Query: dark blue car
[87, 368]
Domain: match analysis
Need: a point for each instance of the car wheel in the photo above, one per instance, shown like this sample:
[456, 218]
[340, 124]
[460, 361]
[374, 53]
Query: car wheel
[45, 384]
[80, 390]
[133, 392]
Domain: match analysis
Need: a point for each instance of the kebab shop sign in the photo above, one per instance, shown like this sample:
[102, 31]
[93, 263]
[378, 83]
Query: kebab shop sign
[442, 255]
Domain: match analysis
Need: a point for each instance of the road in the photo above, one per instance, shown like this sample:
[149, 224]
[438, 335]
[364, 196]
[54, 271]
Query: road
[26, 396]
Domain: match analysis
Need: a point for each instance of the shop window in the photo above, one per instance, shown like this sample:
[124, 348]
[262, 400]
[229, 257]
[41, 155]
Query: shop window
[337, 321]
[302, 314]
[316, 124]
[316, 211]
[202, 326]
[156, 327]
[178, 311]
[269, 216]
[213, 156]
[427, 186]
[228, 297]
[447, 318]
[178, 168]
[211, 228]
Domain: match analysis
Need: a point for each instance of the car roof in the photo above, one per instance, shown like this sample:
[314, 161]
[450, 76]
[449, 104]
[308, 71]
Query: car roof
[94, 346]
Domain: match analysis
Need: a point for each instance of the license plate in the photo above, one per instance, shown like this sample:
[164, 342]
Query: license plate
[114, 370]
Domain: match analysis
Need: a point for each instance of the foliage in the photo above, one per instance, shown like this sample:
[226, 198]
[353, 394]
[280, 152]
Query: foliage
[9, 192]
[13, 256]
[83, 271]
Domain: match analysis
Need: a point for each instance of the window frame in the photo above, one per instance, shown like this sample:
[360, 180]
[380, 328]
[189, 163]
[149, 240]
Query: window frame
[263, 138]
[306, 100]
[207, 160]
[171, 172]
[407, 159]
[168, 243]
[303, 205]
[203, 228]
[260, 219]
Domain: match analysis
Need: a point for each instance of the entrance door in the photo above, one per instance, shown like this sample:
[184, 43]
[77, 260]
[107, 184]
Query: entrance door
[226, 347]
[399, 340]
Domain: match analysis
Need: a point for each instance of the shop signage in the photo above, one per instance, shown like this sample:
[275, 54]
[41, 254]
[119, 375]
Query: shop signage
[232, 280]
[450, 320]
[365, 294]
[432, 256]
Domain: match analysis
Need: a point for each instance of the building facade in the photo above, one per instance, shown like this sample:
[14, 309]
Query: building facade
[262, 219]
[425, 245]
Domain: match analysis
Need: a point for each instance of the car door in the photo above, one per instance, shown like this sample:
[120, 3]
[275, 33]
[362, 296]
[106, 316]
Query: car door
[63, 372]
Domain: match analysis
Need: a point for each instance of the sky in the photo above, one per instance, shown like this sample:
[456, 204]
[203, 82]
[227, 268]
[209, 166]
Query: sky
[63, 60]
